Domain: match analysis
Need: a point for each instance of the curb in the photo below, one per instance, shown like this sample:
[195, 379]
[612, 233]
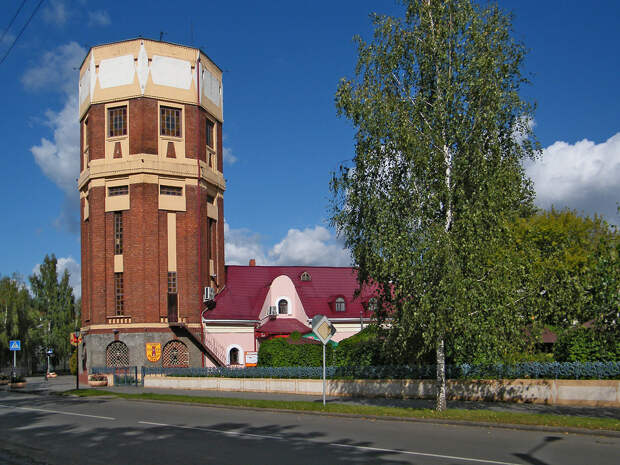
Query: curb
[439, 421]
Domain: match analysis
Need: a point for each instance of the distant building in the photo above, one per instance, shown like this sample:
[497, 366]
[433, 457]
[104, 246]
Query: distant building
[262, 302]
[152, 200]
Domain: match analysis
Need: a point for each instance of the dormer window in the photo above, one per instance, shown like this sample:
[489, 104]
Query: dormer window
[340, 304]
[283, 307]
[305, 276]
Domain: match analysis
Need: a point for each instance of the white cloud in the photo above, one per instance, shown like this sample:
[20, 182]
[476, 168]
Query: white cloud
[228, 156]
[312, 246]
[59, 159]
[59, 156]
[56, 12]
[56, 70]
[98, 18]
[584, 176]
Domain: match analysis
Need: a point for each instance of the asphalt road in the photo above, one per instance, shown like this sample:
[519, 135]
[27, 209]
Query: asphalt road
[50, 430]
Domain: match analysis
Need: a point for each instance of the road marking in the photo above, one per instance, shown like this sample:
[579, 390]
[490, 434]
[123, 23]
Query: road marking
[210, 430]
[376, 449]
[59, 412]
[399, 451]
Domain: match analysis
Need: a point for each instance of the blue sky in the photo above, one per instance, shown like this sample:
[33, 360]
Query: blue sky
[282, 61]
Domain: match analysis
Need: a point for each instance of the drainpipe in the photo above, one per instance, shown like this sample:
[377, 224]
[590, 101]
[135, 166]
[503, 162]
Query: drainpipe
[200, 283]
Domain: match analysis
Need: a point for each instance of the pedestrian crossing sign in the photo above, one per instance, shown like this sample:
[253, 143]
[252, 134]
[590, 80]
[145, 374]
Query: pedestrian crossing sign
[15, 345]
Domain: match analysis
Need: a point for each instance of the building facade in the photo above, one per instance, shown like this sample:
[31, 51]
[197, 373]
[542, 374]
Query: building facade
[152, 198]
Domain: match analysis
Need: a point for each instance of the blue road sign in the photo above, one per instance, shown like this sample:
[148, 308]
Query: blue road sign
[15, 345]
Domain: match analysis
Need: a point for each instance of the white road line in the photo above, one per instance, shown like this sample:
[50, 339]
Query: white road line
[59, 412]
[210, 430]
[399, 451]
[376, 449]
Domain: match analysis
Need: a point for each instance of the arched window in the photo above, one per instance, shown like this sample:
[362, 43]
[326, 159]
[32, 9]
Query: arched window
[234, 356]
[305, 276]
[117, 355]
[175, 355]
[340, 305]
[283, 307]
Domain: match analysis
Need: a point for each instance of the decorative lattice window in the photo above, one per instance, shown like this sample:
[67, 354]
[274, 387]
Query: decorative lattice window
[117, 355]
[117, 121]
[340, 304]
[170, 121]
[175, 354]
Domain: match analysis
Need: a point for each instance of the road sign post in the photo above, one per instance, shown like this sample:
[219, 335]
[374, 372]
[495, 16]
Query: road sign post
[324, 330]
[14, 346]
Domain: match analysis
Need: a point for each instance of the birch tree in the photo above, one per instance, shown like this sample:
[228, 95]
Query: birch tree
[437, 176]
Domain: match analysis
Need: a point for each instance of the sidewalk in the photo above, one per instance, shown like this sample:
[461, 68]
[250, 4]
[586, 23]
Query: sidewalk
[63, 383]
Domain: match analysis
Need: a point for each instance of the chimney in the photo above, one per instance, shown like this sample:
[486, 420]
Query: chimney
[252, 262]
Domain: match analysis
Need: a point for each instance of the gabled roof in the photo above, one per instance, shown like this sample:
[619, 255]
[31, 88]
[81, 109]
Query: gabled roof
[247, 287]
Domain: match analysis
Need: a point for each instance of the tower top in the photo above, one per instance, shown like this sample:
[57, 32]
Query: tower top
[150, 68]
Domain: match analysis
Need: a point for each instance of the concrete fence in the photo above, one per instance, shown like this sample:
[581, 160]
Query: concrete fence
[560, 392]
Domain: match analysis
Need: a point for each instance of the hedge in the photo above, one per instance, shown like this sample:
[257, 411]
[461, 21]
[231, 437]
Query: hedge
[533, 370]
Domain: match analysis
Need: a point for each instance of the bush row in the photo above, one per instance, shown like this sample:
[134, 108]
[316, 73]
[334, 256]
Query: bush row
[533, 370]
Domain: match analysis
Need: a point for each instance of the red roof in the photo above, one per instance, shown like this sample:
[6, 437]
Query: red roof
[283, 326]
[247, 287]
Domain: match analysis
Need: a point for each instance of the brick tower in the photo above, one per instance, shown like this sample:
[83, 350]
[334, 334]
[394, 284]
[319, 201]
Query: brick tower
[151, 199]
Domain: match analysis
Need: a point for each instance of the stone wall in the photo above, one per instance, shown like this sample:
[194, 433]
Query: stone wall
[558, 392]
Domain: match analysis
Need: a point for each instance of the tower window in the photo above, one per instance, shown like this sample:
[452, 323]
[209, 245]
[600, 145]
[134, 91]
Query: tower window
[210, 127]
[283, 307]
[305, 276]
[118, 190]
[340, 305]
[118, 293]
[118, 233]
[171, 190]
[117, 121]
[173, 312]
[170, 122]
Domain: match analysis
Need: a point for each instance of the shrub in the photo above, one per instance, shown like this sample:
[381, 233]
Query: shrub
[284, 352]
[582, 344]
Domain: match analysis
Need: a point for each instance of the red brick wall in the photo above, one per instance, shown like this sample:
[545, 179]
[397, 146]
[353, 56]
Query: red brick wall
[143, 124]
[145, 236]
[96, 131]
[95, 251]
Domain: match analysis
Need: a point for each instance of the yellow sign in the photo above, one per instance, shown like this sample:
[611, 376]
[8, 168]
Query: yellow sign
[153, 351]
[75, 339]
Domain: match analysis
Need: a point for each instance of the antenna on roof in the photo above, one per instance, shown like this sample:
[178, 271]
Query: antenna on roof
[161, 35]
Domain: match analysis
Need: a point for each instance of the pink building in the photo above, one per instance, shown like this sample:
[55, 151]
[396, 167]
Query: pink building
[262, 302]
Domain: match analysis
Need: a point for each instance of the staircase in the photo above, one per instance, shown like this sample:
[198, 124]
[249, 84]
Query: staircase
[212, 349]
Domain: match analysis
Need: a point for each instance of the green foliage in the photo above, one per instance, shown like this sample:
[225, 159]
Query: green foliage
[586, 345]
[278, 352]
[437, 178]
[574, 258]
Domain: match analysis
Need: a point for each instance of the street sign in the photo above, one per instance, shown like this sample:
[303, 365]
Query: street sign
[15, 345]
[323, 328]
[50, 352]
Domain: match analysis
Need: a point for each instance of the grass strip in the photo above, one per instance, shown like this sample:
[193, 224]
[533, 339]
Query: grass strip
[487, 416]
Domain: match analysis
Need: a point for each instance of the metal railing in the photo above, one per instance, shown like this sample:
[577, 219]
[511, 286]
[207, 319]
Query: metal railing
[123, 376]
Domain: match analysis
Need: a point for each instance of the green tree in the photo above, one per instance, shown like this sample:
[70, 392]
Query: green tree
[570, 252]
[53, 298]
[17, 320]
[437, 177]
